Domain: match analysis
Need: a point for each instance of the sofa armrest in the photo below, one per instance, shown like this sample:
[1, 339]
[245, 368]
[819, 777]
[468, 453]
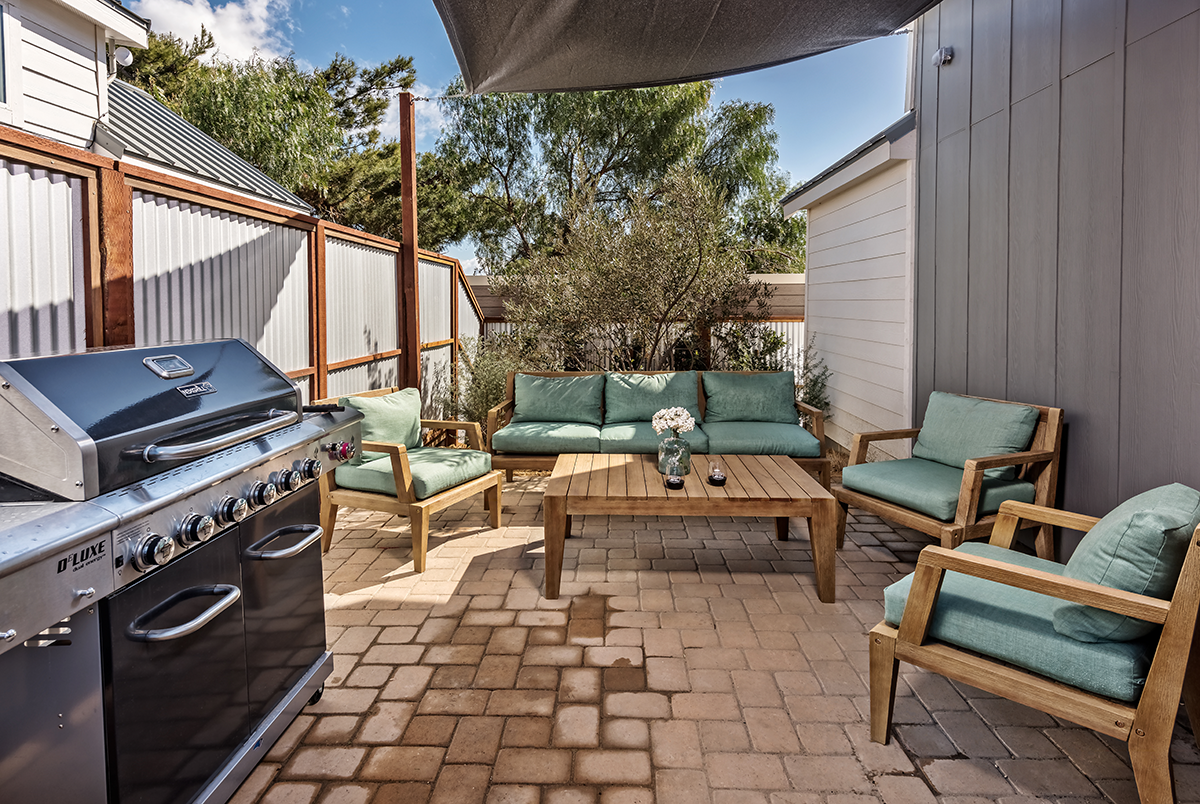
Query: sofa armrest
[474, 432]
[816, 422]
[858, 447]
[935, 560]
[401, 472]
[497, 417]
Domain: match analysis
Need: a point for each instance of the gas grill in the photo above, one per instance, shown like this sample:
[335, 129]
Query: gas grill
[161, 604]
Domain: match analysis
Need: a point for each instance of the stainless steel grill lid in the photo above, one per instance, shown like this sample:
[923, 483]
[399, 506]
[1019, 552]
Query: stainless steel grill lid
[81, 425]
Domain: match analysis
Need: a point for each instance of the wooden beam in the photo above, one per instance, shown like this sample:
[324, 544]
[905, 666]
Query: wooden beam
[116, 258]
[409, 300]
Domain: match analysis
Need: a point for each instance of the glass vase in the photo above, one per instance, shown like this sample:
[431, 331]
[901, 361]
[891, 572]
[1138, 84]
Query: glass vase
[677, 451]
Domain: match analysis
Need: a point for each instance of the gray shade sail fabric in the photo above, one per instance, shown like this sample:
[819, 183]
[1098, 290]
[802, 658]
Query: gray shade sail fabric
[564, 45]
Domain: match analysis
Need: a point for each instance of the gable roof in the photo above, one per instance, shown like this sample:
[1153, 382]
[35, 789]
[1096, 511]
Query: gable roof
[150, 131]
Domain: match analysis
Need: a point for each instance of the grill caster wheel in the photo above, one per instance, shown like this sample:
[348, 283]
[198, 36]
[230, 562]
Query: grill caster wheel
[316, 696]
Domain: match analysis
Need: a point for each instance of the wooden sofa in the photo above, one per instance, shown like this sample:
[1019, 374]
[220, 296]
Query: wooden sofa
[812, 421]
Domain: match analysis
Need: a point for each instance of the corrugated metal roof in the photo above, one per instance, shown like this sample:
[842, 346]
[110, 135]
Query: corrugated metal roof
[151, 131]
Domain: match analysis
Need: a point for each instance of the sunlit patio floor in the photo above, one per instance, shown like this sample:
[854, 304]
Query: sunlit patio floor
[688, 661]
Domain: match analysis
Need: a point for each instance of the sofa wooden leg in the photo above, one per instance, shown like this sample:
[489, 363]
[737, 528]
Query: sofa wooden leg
[508, 475]
[419, 519]
[883, 671]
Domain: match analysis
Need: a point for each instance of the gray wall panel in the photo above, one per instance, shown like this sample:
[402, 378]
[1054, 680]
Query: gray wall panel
[1089, 281]
[987, 288]
[950, 286]
[1160, 361]
[1032, 247]
[1148, 16]
[954, 79]
[927, 90]
[1089, 32]
[1035, 45]
[992, 51]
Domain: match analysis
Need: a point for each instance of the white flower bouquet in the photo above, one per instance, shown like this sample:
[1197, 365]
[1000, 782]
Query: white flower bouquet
[677, 420]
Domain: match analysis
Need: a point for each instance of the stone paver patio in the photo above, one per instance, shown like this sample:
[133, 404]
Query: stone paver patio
[688, 661]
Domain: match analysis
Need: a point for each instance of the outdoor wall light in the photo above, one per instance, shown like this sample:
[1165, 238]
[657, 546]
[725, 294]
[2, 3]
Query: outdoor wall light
[124, 56]
[943, 56]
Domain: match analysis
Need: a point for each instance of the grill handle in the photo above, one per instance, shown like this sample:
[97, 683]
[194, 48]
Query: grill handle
[229, 595]
[314, 533]
[198, 449]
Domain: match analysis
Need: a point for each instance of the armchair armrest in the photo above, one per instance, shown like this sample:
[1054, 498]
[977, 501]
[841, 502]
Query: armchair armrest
[858, 447]
[934, 561]
[972, 480]
[401, 471]
[816, 417]
[497, 417]
[474, 432]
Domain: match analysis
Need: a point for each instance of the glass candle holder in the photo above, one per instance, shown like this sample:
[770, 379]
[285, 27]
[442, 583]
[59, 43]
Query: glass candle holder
[716, 472]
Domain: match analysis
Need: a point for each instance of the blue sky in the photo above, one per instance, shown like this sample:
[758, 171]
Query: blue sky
[825, 106]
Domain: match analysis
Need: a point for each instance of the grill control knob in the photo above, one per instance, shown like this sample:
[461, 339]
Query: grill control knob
[340, 450]
[263, 494]
[153, 551]
[231, 509]
[290, 480]
[311, 468]
[196, 528]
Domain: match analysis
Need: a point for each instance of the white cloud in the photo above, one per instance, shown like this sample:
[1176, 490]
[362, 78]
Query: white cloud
[429, 118]
[240, 27]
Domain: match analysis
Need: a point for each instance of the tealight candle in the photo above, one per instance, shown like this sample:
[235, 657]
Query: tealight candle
[673, 481]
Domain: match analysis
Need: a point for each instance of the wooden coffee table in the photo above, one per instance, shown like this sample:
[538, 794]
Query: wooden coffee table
[758, 485]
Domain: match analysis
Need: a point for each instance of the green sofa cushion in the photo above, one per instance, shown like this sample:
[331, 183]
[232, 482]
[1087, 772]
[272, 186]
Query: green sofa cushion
[637, 397]
[929, 487]
[761, 438]
[547, 438]
[558, 399]
[1016, 626]
[957, 429]
[733, 397]
[1138, 547]
[639, 438]
[394, 419]
[434, 469]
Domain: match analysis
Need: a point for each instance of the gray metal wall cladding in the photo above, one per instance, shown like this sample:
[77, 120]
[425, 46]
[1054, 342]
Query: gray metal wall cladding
[351, 380]
[1057, 245]
[434, 284]
[468, 319]
[203, 273]
[362, 314]
[41, 262]
[436, 378]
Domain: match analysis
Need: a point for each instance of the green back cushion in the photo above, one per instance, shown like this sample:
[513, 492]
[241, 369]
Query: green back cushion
[637, 397]
[957, 429]
[558, 399]
[1139, 547]
[732, 397]
[395, 418]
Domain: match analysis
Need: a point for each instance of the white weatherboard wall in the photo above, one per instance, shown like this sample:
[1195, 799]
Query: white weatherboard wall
[202, 273]
[860, 290]
[362, 316]
[41, 262]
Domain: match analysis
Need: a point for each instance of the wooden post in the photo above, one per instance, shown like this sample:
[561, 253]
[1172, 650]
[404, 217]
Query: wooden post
[318, 327]
[116, 258]
[409, 295]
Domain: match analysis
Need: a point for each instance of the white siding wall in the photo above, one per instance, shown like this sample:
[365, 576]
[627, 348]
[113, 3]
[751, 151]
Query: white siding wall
[860, 301]
[41, 262]
[54, 79]
[793, 333]
[202, 273]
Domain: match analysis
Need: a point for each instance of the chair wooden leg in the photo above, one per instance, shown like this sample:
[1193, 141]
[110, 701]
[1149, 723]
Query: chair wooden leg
[883, 669]
[842, 511]
[491, 501]
[419, 520]
[328, 521]
[1191, 690]
[508, 475]
[1045, 542]
[1150, 756]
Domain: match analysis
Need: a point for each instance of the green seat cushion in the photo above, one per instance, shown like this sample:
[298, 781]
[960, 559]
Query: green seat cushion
[733, 397]
[1138, 547]
[546, 438]
[394, 419]
[957, 429]
[558, 399]
[434, 469]
[639, 438]
[929, 487]
[761, 438]
[637, 397]
[1016, 626]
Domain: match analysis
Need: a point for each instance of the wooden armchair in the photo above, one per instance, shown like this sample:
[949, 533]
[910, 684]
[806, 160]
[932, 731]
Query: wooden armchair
[401, 488]
[1144, 717]
[1035, 465]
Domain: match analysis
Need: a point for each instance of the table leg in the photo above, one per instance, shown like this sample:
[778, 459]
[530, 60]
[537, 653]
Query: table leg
[781, 528]
[554, 512]
[823, 535]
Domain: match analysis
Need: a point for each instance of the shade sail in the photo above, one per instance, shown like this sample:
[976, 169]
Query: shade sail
[562, 45]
